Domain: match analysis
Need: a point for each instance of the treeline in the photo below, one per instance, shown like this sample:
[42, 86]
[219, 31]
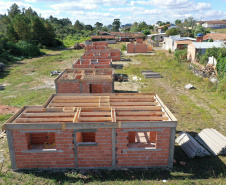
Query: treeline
[23, 33]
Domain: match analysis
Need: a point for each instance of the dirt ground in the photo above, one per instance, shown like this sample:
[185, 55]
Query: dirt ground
[5, 109]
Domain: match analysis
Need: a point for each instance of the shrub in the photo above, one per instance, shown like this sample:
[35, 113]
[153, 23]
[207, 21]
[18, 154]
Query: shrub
[123, 47]
[27, 49]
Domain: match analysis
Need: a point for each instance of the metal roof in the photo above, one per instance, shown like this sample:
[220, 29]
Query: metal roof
[206, 45]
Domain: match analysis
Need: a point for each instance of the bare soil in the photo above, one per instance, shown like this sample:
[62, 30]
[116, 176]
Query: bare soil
[6, 109]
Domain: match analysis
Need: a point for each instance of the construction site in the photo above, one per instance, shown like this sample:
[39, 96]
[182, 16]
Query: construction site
[92, 130]
[87, 125]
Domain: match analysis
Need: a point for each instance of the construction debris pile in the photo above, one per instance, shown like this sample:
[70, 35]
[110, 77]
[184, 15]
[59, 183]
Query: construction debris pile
[151, 74]
[191, 147]
[214, 141]
[205, 72]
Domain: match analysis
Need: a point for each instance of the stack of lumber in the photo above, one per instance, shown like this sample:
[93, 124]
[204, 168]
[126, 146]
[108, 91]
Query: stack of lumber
[213, 141]
[190, 146]
[151, 74]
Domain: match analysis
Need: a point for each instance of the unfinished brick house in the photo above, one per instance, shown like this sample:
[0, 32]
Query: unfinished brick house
[92, 63]
[114, 54]
[86, 80]
[138, 47]
[92, 131]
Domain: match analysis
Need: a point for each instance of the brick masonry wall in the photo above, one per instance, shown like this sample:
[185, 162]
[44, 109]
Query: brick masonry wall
[116, 55]
[142, 158]
[141, 48]
[64, 159]
[131, 48]
[67, 87]
[97, 156]
[140, 41]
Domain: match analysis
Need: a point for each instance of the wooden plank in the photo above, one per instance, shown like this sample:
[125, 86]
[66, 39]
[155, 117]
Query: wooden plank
[94, 119]
[131, 96]
[87, 100]
[142, 113]
[74, 97]
[133, 103]
[141, 118]
[96, 109]
[76, 115]
[169, 113]
[74, 104]
[32, 120]
[133, 100]
[47, 114]
[139, 108]
[95, 113]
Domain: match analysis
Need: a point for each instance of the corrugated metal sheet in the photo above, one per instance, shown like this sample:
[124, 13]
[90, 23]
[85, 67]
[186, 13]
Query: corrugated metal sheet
[214, 141]
[206, 45]
[190, 146]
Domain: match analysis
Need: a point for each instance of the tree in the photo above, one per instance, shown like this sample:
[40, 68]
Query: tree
[88, 27]
[172, 31]
[142, 25]
[11, 33]
[13, 11]
[134, 28]
[98, 25]
[146, 32]
[199, 29]
[105, 29]
[21, 26]
[159, 22]
[178, 21]
[116, 25]
[78, 26]
[150, 27]
[38, 30]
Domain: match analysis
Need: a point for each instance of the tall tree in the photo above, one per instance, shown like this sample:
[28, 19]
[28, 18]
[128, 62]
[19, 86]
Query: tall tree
[116, 25]
[178, 21]
[78, 26]
[98, 25]
[21, 26]
[13, 11]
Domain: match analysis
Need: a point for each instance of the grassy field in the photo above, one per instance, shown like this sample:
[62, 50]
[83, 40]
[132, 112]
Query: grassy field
[29, 82]
[219, 30]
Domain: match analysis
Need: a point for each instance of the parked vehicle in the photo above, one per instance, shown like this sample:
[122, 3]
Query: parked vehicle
[2, 67]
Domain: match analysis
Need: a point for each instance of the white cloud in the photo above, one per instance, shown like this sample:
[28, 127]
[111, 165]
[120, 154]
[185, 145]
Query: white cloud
[74, 5]
[6, 5]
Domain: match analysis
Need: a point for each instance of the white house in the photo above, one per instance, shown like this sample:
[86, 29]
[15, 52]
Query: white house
[169, 42]
[214, 24]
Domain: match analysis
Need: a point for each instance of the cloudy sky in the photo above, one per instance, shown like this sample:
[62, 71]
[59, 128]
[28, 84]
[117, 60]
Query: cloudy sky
[105, 11]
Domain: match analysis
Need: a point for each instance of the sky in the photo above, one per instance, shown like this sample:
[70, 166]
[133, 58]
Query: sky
[105, 11]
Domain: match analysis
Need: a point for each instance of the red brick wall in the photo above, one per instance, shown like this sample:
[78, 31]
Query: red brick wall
[131, 48]
[116, 55]
[63, 159]
[140, 41]
[67, 87]
[97, 156]
[141, 48]
[91, 156]
[143, 158]
[96, 88]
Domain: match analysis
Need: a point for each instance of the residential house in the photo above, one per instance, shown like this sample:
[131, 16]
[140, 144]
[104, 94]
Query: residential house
[214, 24]
[200, 47]
[170, 42]
[215, 37]
[93, 131]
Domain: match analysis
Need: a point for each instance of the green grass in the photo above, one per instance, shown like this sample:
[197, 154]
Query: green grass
[27, 74]
[219, 30]
[194, 109]
[70, 40]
